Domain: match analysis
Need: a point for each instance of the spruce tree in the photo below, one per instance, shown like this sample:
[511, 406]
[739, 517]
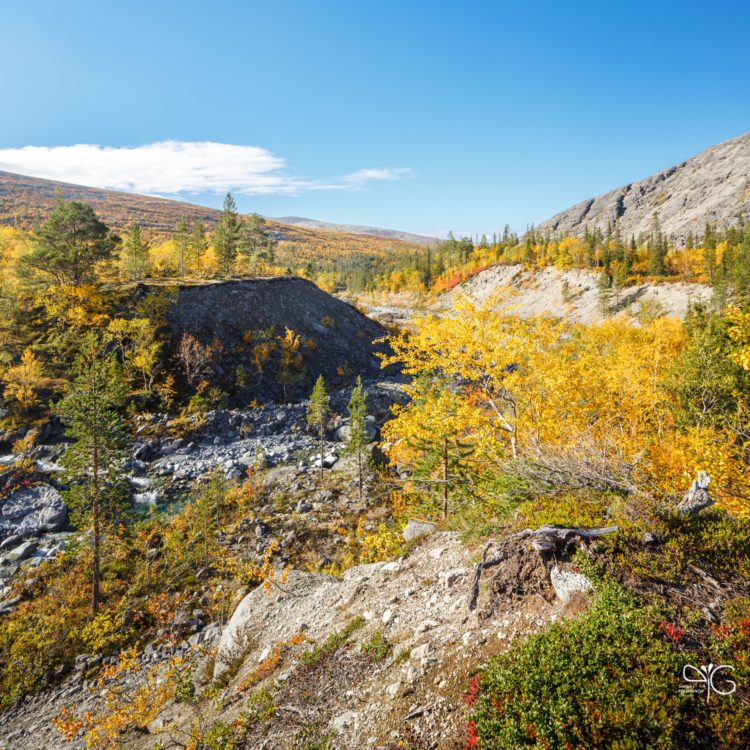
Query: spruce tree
[95, 459]
[319, 410]
[135, 251]
[358, 437]
[227, 234]
[198, 242]
[182, 243]
[604, 295]
[709, 252]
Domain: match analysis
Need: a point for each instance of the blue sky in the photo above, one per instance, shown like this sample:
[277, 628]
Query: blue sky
[419, 116]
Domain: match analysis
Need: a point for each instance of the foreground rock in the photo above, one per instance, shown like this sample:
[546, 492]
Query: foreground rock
[32, 512]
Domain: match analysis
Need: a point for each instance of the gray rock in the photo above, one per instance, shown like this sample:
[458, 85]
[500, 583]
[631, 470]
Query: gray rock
[710, 186]
[565, 582]
[343, 434]
[22, 552]
[32, 511]
[413, 529]
[340, 723]
[452, 576]
[11, 541]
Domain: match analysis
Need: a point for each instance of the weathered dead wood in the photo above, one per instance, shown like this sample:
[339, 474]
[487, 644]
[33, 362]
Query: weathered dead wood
[544, 539]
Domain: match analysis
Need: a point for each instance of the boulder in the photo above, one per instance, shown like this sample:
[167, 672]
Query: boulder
[566, 582]
[22, 552]
[343, 434]
[33, 511]
[413, 529]
[251, 610]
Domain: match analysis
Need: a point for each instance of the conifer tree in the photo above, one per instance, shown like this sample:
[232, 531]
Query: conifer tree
[358, 436]
[182, 243]
[227, 234]
[135, 251]
[604, 286]
[70, 244]
[709, 252]
[95, 458]
[198, 241]
[319, 410]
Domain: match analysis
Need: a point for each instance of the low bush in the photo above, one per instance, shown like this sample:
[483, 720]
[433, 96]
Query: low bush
[609, 680]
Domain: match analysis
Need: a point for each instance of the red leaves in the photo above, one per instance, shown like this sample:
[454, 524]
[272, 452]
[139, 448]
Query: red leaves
[673, 632]
[472, 694]
[472, 739]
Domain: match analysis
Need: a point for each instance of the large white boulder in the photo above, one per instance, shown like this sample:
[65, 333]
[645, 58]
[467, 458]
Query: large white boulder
[252, 610]
[33, 511]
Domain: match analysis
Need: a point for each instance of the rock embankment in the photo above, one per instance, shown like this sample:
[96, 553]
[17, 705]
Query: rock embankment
[572, 294]
[336, 338]
[353, 694]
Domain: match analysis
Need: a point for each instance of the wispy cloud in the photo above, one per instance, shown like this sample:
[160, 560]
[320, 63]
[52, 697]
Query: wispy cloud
[178, 167]
[377, 174]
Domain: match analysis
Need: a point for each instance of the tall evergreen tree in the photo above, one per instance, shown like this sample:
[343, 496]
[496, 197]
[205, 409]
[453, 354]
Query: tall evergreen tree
[358, 435]
[182, 243]
[709, 252]
[657, 247]
[95, 459]
[226, 237]
[135, 252]
[319, 410]
[198, 241]
[604, 295]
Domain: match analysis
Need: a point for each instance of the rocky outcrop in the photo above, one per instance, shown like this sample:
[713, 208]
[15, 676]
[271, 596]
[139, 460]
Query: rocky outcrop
[336, 337]
[711, 186]
[32, 512]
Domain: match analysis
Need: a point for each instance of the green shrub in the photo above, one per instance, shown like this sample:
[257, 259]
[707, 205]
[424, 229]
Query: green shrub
[605, 681]
[377, 646]
[334, 642]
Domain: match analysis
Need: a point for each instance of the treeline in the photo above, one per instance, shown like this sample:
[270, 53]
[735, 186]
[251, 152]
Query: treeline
[720, 256]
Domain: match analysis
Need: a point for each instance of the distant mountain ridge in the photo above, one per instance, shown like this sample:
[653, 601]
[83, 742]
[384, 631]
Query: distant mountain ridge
[25, 202]
[298, 221]
[711, 186]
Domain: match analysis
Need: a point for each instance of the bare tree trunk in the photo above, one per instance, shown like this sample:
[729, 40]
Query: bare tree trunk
[445, 478]
[95, 571]
[359, 461]
[321, 445]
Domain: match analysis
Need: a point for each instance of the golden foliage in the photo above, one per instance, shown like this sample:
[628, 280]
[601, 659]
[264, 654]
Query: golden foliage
[25, 379]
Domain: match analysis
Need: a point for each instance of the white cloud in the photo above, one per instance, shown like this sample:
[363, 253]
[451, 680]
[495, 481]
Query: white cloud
[175, 167]
[377, 174]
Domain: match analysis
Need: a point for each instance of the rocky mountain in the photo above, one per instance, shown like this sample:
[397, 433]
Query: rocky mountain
[297, 221]
[711, 186]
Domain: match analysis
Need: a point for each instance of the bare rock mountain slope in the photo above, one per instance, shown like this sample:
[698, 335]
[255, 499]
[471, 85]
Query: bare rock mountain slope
[711, 186]
[298, 221]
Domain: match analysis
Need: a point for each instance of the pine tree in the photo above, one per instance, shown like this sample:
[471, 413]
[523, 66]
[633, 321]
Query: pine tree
[709, 252]
[657, 246]
[358, 436]
[319, 409]
[135, 251]
[227, 234]
[182, 243]
[70, 244]
[604, 296]
[95, 458]
[198, 242]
